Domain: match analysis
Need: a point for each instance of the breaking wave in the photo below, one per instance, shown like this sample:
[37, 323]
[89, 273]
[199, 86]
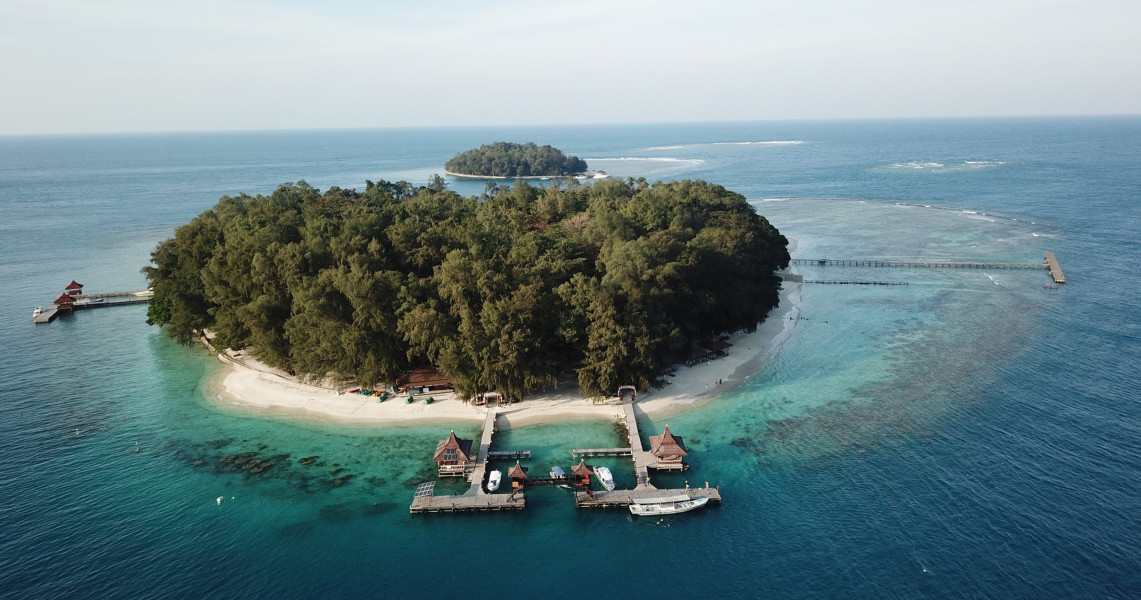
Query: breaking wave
[956, 166]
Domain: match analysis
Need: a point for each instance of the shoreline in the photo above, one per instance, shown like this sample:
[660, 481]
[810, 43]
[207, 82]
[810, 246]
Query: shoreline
[539, 177]
[249, 387]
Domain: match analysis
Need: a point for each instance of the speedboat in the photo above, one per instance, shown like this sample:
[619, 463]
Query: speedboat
[557, 472]
[670, 505]
[36, 313]
[604, 477]
[493, 480]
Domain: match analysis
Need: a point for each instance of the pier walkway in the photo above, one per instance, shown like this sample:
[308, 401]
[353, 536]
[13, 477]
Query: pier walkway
[1055, 268]
[101, 300]
[934, 264]
[1050, 263]
[624, 498]
[475, 499]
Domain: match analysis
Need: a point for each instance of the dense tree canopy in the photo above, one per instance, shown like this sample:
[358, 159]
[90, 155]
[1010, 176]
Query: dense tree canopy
[506, 159]
[613, 280]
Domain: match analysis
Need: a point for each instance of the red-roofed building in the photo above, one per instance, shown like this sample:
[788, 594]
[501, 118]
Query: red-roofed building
[424, 380]
[583, 473]
[64, 302]
[453, 457]
[668, 449]
[74, 288]
[518, 475]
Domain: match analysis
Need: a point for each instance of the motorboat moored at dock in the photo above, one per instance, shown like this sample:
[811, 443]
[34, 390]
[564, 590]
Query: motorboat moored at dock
[670, 505]
[604, 477]
[493, 480]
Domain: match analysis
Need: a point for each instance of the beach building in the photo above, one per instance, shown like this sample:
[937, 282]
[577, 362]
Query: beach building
[423, 380]
[668, 449]
[453, 457]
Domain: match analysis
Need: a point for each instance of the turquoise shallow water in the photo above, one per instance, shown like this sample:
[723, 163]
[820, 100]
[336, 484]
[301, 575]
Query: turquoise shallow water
[970, 434]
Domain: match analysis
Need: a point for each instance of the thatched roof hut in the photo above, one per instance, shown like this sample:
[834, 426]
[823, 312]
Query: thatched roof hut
[667, 445]
[518, 472]
[452, 450]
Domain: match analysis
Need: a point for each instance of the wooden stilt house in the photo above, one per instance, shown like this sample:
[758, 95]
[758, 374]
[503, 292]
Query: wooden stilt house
[669, 449]
[453, 457]
[518, 475]
[582, 474]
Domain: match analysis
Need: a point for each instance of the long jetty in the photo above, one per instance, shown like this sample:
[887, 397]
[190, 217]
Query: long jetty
[933, 264]
[86, 301]
[1050, 263]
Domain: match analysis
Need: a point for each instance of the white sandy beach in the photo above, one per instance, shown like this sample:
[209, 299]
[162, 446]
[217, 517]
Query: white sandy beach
[251, 387]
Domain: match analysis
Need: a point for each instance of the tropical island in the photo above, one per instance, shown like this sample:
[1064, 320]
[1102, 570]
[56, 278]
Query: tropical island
[609, 282]
[510, 160]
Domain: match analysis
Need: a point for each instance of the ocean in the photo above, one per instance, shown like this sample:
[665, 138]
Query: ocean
[974, 433]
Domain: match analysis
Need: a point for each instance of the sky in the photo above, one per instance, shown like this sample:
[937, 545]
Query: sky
[84, 66]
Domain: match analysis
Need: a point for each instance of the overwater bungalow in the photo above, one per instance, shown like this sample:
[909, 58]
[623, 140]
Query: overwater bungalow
[582, 473]
[668, 449]
[64, 302]
[518, 475]
[453, 457]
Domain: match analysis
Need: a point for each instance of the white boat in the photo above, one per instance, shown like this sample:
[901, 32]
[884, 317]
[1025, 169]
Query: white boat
[493, 480]
[604, 477]
[36, 313]
[670, 505]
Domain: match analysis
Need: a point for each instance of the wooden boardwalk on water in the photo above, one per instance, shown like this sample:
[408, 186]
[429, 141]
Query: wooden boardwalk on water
[475, 499]
[101, 300]
[1050, 263]
[478, 500]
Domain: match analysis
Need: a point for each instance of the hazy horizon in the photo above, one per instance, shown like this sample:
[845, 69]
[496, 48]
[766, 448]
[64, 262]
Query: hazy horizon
[125, 66]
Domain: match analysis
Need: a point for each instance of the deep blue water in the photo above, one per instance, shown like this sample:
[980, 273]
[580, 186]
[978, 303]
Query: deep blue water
[970, 435]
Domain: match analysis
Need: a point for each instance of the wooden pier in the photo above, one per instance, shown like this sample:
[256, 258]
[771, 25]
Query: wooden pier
[906, 264]
[624, 498]
[579, 452]
[1055, 268]
[509, 454]
[475, 499]
[432, 504]
[478, 500]
[852, 282]
[86, 301]
[46, 316]
[1050, 263]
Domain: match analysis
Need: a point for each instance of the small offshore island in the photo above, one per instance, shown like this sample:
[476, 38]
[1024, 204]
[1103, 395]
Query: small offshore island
[508, 160]
[516, 292]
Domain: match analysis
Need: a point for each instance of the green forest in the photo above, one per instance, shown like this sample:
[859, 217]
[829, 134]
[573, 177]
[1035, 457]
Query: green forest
[502, 292]
[507, 159]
